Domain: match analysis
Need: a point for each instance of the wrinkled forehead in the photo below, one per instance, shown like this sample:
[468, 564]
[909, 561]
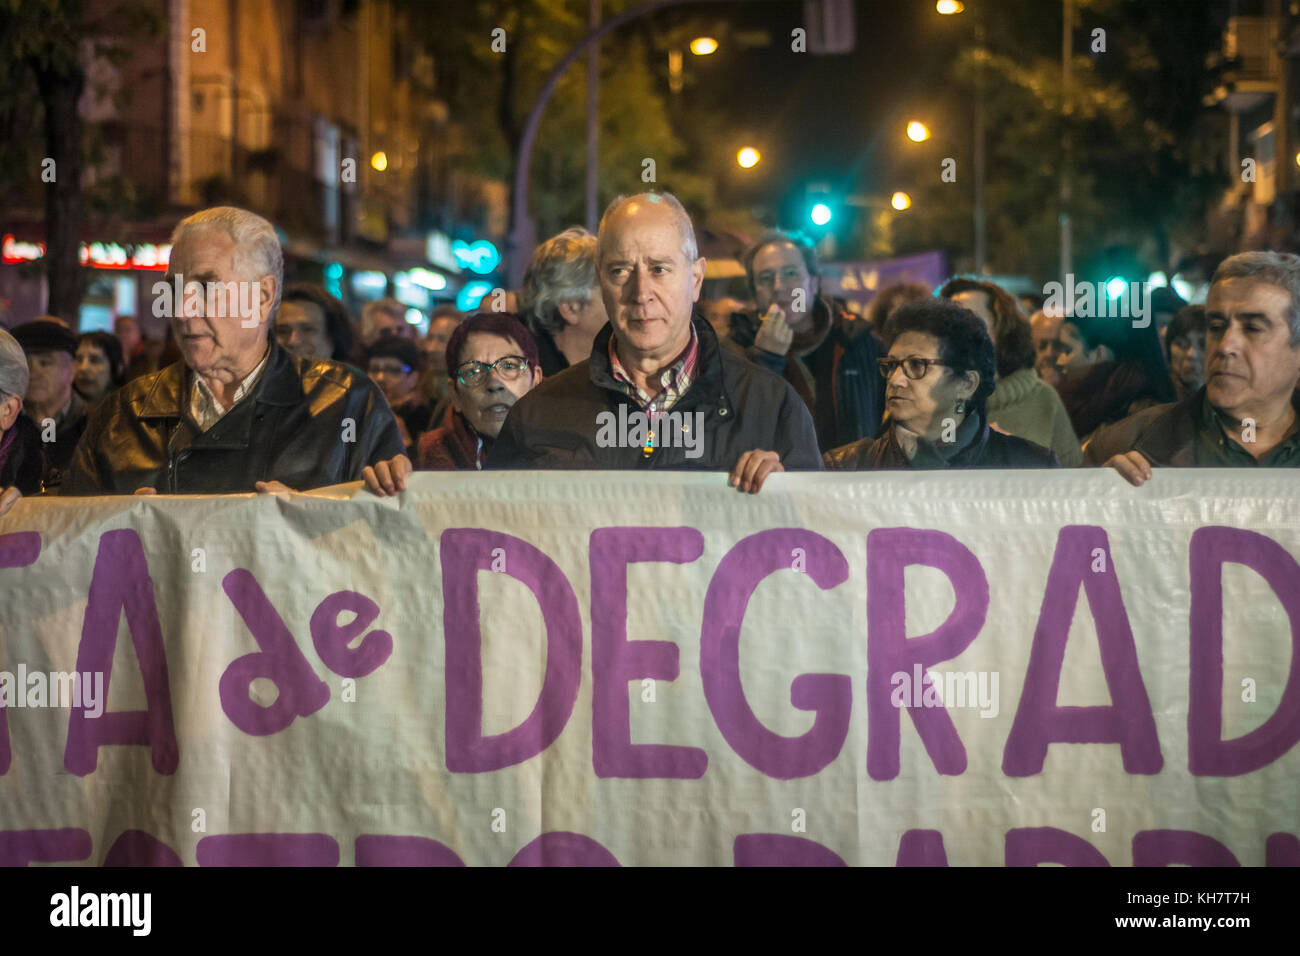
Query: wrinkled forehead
[487, 347]
[1229, 296]
[778, 255]
[203, 249]
[642, 230]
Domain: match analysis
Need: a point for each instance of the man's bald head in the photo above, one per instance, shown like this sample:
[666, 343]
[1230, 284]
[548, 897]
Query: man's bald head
[652, 204]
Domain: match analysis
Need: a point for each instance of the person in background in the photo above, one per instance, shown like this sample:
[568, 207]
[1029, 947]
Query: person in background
[100, 367]
[237, 413]
[824, 352]
[1029, 302]
[1185, 350]
[21, 457]
[1247, 414]
[1046, 331]
[494, 362]
[51, 401]
[1109, 370]
[886, 302]
[384, 317]
[1021, 404]
[561, 298]
[313, 324]
[433, 380]
[940, 373]
[393, 364]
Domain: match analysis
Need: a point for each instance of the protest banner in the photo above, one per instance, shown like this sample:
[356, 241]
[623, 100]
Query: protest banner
[635, 668]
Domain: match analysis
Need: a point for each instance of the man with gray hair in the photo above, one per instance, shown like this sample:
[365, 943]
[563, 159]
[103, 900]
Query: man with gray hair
[658, 390]
[238, 413]
[21, 460]
[561, 299]
[1248, 412]
[384, 317]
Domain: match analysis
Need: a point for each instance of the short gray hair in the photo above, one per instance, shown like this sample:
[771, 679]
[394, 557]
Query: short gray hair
[257, 247]
[563, 269]
[14, 375]
[1281, 269]
[685, 227]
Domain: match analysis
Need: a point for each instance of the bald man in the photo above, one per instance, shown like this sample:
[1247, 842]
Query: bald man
[658, 390]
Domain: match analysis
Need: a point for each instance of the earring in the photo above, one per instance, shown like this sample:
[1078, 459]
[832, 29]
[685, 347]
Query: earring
[961, 406]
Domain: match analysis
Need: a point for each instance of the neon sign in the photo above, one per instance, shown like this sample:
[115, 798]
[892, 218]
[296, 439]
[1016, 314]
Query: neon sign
[479, 257]
[96, 255]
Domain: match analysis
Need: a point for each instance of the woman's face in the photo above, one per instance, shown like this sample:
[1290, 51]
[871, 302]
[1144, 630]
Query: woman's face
[94, 374]
[921, 405]
[1073, 357]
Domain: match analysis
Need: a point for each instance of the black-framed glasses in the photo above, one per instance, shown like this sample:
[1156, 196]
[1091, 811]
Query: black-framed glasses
[509, 367]
[913, 368]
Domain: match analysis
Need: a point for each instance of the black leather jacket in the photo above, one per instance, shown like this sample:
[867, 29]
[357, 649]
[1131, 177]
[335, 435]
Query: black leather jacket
[987, 449]
[307, 423]
[744, 407]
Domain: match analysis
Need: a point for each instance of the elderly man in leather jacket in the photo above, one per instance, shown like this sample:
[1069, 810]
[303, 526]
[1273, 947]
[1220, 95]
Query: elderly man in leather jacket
[239, 413]
[658, 391]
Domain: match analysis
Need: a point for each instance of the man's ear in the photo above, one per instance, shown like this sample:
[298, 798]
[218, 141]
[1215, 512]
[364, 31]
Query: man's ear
[266, 288]
[697, 278]
[571, 312]
[10, 409]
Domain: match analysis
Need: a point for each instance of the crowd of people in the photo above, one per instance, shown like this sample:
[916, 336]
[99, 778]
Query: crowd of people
[612, 361]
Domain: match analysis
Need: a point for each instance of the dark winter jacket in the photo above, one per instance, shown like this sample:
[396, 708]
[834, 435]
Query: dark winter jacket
[308, 423]
[559, 424]
[986, 448]
[21, 456]
[846, 393]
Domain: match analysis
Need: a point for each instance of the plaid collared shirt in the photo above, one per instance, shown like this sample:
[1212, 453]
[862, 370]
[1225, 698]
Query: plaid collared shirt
[206, 410]
[675, 380]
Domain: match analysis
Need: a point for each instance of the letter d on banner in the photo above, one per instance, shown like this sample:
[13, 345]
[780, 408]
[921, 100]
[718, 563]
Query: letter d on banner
[464, 552]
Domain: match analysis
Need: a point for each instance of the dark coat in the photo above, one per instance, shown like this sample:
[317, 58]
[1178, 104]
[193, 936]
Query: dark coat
[988, 449]
[848, 400]
[307, 423]
[745, 408]
[1165, 434]
[25, 460]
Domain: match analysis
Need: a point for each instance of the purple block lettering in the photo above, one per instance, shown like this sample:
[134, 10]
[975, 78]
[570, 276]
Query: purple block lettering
[889, 651]
[20, 847]
[921, 848]
[379, 850]
[1208, 755]
[300, 692]
[829, 696]
[1282, 849]
[464, 552]
[778, 849]
[1128, 721]
[138, 848]
[121, 584]
[564, 849]
[1170, 847]
[331, 638]
[615, 660]
[268, 849]
[17, 550]
[1030, 846]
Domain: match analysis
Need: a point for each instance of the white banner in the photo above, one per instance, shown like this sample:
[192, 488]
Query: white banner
[633, 668]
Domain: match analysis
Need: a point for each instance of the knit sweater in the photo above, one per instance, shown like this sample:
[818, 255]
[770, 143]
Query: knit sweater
[1024, 405]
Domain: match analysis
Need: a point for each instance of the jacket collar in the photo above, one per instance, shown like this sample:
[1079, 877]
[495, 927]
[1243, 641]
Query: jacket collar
[708, 387]
[281, 384]
[1171, 439]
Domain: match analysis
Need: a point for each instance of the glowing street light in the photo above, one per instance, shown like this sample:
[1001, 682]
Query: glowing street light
[948, 7]
[900, 201]
[379, 161]
[748, 157]
[820, 214]
[917, 131]
[703, 46]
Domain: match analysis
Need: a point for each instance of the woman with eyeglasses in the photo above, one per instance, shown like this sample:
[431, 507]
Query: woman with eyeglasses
[492, 362]
[939, 374]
